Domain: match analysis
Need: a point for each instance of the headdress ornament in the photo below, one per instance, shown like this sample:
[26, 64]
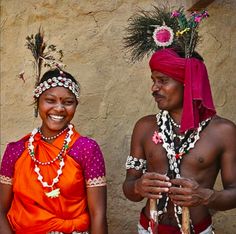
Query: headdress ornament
[48, 56]
[57, 81]
[162, 33]
[44, 55]
[149, 31]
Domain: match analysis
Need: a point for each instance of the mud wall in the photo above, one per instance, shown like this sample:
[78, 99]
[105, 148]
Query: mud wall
[115, 93]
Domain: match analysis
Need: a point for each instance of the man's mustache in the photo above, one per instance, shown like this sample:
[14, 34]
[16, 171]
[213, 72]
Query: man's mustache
[156, 94]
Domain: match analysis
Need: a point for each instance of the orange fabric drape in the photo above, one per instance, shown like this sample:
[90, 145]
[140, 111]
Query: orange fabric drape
[31, 210]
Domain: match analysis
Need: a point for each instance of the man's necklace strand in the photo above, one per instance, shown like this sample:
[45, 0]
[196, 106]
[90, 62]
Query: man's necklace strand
[174, 123]
[174, 157]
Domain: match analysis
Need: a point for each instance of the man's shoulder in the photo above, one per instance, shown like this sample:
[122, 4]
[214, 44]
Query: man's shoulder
[223, 126]
[145, 125]
[144, 129]
[147, 120]
[222, 122]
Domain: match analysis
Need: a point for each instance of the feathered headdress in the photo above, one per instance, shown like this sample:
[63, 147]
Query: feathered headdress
[159, 28]
[44, 55]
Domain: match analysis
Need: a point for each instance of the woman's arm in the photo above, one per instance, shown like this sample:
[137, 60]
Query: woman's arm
[97, 204]
[6, 196]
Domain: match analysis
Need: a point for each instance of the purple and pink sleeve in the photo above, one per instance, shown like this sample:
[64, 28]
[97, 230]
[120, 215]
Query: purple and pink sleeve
[12, 153]
[87, 153]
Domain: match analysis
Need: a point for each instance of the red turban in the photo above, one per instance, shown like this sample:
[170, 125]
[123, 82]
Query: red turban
[198, 104]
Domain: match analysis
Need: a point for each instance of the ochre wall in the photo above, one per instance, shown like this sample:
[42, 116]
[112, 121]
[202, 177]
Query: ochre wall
[115, 93]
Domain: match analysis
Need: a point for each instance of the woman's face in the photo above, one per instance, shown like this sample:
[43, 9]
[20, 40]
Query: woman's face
[56, 108]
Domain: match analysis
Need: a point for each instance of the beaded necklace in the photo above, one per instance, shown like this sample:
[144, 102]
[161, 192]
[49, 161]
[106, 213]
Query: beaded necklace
[54, 192]
[175, 135]
[52, 137]
[174, 123]
[175, 153]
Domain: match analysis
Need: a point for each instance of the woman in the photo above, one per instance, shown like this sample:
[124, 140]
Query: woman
[53, 179]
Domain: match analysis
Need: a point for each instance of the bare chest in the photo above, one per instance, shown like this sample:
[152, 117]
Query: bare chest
[196, 163]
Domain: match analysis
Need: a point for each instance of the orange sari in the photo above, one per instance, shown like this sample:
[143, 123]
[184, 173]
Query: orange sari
[31, 210]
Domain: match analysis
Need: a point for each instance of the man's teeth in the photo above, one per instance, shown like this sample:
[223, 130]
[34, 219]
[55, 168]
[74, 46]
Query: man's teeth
[56, 117]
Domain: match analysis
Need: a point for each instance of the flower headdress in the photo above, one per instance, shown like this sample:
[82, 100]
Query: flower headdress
[170, 37]
[149, 31]
[47, 56]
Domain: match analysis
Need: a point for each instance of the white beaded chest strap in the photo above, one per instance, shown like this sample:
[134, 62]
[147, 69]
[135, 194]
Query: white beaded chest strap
[136, 163]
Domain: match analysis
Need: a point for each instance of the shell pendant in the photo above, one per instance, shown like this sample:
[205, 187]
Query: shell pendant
[54, 193]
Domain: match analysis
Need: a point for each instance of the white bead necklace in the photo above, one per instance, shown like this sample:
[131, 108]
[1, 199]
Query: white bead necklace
[31, 150]
[174, 158]
[175, 135]
[173, 122]
[54, 192]
[52, 137]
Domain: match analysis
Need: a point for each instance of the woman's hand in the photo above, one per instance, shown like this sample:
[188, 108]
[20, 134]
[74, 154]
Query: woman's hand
[152, 185]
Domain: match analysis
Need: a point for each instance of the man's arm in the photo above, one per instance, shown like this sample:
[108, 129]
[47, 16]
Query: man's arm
[226, 199]
[6, 195]
[137, 184]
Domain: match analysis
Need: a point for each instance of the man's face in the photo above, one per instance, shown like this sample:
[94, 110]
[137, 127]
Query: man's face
[168, 93]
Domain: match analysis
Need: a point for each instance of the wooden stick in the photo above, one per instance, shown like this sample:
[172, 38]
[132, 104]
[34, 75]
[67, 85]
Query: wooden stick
[153, 215]
[153, 209]
[185, 221]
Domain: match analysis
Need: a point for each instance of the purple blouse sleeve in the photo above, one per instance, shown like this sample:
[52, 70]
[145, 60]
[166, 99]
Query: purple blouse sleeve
[12, 153]
[87, 153]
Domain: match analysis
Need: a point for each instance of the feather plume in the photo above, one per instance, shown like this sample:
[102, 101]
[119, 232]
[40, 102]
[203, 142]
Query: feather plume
[139, 41]
[44, 55]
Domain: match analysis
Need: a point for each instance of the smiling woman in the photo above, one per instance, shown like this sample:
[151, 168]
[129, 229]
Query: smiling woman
[56, 105]
[62, 187]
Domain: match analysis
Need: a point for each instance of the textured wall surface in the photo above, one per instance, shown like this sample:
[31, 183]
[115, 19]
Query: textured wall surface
[115, 93]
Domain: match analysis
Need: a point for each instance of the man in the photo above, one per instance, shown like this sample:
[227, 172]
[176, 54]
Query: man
[176, 155]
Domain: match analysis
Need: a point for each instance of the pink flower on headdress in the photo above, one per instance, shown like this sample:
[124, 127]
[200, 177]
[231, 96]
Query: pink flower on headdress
[156, 138]
[199, 16]
[163, 35]
[194, 13]
[175, 14]
[205, 14]
[198, 19]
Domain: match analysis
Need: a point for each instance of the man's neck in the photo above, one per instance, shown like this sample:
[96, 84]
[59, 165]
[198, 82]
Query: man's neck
[176, 116]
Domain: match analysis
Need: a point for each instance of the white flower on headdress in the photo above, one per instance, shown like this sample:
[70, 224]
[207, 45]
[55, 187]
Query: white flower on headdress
[163, 35]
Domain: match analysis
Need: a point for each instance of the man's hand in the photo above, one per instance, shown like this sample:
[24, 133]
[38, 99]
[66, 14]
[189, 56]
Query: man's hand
[152, 185]
[187, 192]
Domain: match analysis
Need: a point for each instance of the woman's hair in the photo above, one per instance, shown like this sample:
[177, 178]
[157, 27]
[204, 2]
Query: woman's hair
[56, 73]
